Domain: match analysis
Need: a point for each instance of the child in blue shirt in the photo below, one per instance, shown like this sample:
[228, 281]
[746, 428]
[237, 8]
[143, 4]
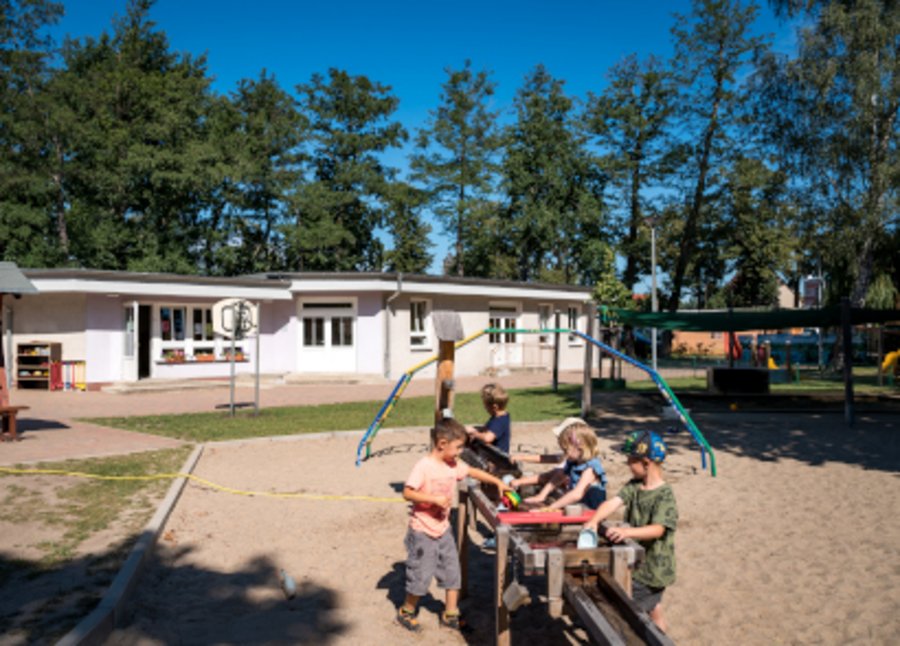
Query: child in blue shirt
[496, 430]
[586, 479]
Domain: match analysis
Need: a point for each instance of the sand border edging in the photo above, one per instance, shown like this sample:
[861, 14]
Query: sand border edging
[99, 624]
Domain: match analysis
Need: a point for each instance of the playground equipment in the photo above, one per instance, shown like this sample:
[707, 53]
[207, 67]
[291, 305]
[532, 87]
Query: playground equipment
[364, 449]
[891, 359]
[594, 578]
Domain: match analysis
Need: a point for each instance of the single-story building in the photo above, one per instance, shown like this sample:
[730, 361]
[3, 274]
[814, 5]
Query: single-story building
[128, 326]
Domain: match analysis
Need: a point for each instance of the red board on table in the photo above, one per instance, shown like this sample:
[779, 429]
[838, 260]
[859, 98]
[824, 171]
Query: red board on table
[542, 517]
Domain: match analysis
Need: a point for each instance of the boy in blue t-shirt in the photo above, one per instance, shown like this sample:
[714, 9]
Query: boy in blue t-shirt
[496, 430]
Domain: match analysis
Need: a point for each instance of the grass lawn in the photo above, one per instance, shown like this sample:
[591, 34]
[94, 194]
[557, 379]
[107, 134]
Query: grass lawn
[526, 405]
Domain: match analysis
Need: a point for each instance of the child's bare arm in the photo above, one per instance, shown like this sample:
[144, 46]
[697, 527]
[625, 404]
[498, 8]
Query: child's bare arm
[485, 436]
[577, 493]
[603, 512]
[484, 476]
[645, 533]
[525, 480]
[414, 495]
[535, 458]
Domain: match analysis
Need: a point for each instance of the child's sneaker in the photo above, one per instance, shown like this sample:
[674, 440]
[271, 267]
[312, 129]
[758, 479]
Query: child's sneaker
[454, 621]
[408, 620]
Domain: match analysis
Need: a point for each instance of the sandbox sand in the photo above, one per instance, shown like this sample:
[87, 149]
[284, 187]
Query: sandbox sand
[797, 541]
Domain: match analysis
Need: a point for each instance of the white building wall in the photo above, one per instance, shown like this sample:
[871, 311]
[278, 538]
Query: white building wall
[479, 356]
[56, 318]
[103, 338]
[370, 333]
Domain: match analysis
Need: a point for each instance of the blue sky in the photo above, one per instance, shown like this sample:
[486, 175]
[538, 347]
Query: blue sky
[407, 45]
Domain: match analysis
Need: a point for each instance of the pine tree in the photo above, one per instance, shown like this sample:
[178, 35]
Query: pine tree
[456, 154]
[338, 211]
[33, 226]
[553, 186]
[409, 253]
[632, 119]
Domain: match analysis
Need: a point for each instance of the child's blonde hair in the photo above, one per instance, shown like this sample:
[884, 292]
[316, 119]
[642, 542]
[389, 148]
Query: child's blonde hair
[581, 436]
[494, 395]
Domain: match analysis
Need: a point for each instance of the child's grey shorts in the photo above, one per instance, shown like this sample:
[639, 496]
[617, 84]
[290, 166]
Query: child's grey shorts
[645, 597]
[428, 557]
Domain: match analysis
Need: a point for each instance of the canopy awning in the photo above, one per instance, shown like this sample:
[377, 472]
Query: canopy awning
[735, 321]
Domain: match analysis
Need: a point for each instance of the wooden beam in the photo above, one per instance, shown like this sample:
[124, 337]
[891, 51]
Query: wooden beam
[599, 628]
[462, 537]
[555, 573]
[443, 406]
[503, 634]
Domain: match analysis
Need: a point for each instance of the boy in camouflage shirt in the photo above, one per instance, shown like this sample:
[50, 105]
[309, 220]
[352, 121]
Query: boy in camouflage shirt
[651, 511]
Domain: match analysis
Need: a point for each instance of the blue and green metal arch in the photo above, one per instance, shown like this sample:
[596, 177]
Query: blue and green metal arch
[365, 445]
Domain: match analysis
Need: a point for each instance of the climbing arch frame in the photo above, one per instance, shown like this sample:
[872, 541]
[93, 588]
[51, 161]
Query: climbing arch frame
[364, 449]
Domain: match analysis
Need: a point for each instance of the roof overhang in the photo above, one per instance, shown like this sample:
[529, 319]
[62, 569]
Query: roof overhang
[156, 285]
[435, 285]
[13, 281]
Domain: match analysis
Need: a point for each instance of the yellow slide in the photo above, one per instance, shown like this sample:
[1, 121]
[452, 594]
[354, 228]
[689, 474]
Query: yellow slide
[772, 364]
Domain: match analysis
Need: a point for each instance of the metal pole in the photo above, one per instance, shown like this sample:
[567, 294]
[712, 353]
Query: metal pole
[653, 302]
[556, 352]
[234, 332]
[848, 360]
[588, 364]
[258, 332]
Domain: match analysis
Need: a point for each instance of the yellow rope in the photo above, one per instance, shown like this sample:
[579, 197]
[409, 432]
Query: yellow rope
[197, 479]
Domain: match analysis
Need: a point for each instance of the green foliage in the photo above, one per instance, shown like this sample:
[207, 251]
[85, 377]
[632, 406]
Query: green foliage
[609, 290]
[410, 234]
[712, 47]
[338, 211]
[456, 150]
[553, 188]
[631, 120]
[831, 115]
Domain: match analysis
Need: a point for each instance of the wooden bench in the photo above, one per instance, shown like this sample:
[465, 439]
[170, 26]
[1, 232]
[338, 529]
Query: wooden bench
[8, 415]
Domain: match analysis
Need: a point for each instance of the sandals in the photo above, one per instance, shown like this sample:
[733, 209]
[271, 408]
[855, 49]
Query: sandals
[454, 621]
[408, 620]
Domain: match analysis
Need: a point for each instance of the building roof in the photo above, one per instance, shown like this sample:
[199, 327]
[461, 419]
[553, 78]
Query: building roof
[13, 281]
[283, 286]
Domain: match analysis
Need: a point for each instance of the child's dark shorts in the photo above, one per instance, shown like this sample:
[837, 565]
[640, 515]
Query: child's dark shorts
[428, 557]
[645, 597]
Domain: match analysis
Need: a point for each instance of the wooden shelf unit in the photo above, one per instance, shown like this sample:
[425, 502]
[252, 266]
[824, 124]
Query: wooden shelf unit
[33, 364]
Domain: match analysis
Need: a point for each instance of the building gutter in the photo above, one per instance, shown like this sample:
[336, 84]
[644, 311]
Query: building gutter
[387, 325]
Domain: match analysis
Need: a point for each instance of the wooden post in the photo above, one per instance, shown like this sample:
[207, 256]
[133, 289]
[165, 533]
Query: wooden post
[880, 354]
[588, 364]
[444, 381]
[556, 570]
[462, 538]
[556, 353]
[448, 329]
[501, 614]
[619, 569]
[848, 360]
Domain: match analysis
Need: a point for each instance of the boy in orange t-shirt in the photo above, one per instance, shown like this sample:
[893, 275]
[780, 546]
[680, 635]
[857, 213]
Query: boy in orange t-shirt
[431, 549]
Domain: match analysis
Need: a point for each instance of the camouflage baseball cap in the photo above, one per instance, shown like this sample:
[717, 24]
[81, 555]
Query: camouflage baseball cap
[645, 444]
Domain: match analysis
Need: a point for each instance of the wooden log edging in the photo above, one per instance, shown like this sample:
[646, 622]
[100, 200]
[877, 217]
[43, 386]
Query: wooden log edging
[96, 628]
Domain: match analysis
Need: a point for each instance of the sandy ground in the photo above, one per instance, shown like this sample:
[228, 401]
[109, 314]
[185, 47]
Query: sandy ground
[795, 542]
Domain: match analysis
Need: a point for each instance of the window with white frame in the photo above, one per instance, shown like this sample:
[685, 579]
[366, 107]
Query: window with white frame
[502, 318]
[573, 323]
[185, 332]
[328, 324]
[545, 321]
[418, 324]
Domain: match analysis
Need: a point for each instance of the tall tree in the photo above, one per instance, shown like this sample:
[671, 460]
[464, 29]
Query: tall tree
[832, 114]
[338, 211]
[711, 47]
[268, 132]
[759, 243]
[409, 252]
[631, 119]
[456, 150]
[140, 147]
[552, 184]
[33, 228]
